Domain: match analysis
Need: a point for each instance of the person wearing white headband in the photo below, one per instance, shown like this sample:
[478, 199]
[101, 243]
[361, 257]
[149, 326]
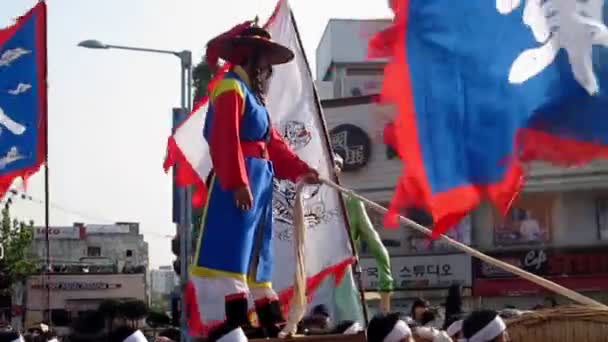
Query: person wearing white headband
[236, 335]
[431, 334]
[484, 326]
[136, 336]
[127, 334]
[348, 328]
[455, 329]
[388, 328]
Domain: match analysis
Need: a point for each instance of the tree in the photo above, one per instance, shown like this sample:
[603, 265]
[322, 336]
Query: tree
[157, 319]
[133, 311]
[16, 263]
[201, 76]
[109, 309]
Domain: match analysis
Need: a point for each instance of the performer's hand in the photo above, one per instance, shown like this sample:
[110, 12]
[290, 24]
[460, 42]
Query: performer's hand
[311, 177]
[243, 198]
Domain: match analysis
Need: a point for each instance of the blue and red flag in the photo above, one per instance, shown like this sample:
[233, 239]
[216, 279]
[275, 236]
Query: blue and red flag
[485, 85]
[23, 97]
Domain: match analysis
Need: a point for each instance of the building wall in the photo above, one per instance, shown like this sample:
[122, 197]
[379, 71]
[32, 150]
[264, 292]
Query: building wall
[113, 247]
[163, 280]
[574, 222]
[345, 41]
[80, 292]
[375, 180]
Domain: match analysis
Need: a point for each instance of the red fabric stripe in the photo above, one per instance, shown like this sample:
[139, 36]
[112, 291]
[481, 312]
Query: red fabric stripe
[234, 296]
[185, 174]
[265, 301]
[195, 327]
[312, 284]
[538, 145]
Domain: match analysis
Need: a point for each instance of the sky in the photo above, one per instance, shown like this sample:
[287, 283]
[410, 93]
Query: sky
[110, 110]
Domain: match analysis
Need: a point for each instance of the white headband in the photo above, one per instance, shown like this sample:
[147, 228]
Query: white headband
[432, 334]
[236, 335]
[400, 331]
[454, 328]
[490, 331]
[353, 329]
[137, 336]
[19, 339]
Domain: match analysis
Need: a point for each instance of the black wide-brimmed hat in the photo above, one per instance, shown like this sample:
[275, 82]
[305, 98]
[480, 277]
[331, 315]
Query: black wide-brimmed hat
[253, 39]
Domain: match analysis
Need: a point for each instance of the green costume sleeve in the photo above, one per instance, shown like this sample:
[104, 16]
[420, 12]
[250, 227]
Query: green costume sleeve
[362, 229]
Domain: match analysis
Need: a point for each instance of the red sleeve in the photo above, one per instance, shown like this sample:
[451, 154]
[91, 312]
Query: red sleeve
[287, 165]
[389, 136]
[225, 143]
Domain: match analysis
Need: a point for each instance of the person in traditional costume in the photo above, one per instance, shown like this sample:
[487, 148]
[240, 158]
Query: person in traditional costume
[234, 257]
[348, 300]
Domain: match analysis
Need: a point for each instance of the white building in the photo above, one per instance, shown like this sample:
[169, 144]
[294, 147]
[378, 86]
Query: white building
[119, 247]
[89, 263]
[163, 280]
[557, 226]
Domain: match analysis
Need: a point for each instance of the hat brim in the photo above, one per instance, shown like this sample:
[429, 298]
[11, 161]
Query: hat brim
[235, 49]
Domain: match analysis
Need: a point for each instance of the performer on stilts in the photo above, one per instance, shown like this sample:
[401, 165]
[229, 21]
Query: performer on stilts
[234, 256]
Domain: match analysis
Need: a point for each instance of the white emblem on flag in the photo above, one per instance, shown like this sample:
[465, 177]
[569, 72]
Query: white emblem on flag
[573, 25]
[15, 127]
[21, 88]
[12, 55]
[11, 156]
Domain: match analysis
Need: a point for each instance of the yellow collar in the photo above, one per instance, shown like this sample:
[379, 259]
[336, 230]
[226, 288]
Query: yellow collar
[242, 74]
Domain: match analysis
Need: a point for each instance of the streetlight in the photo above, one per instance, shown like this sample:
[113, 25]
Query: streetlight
[185, 209]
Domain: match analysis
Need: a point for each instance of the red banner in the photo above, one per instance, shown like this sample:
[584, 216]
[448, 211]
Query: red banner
[522, 287]
[579, 270]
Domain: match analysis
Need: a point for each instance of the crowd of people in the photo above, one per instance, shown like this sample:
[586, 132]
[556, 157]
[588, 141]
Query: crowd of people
[479, 326]
[422, 324]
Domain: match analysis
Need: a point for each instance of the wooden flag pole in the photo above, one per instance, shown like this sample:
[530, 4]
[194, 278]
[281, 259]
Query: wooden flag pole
[540, 281]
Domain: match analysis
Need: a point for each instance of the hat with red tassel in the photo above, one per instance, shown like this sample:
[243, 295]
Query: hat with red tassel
[242, 41]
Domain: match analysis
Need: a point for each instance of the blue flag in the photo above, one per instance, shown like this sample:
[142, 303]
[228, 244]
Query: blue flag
[484, 85]
[23, 97]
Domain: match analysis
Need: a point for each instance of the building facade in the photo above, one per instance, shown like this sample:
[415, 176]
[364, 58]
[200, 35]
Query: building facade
[119, 246]
[89, 263]
[163, 280]
[555, 228]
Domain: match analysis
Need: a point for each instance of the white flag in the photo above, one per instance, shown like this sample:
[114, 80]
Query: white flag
[294, 111]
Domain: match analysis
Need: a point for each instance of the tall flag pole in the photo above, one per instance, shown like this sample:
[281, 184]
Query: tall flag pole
[23, 102]
[47, 200]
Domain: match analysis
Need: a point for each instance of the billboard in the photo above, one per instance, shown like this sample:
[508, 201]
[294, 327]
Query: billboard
[421, 272]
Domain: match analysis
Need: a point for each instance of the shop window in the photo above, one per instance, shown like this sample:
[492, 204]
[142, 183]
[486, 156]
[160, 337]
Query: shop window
[129, 253]
[94, 251]
[528, 222]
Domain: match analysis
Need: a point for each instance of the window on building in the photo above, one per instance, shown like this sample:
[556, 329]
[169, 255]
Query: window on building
[93, 251]
[129, 253]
